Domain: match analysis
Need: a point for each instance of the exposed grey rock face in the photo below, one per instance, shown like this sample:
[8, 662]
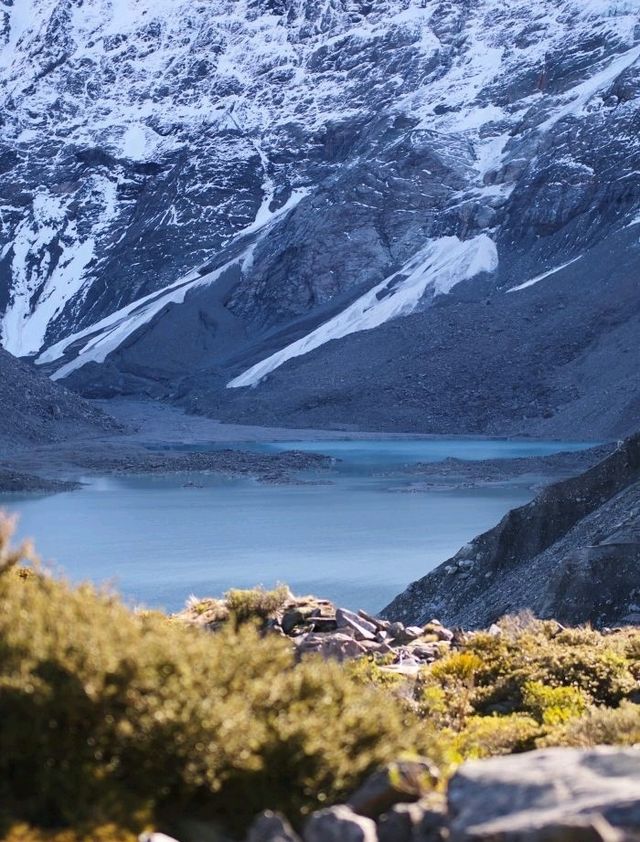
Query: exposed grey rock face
[572, 554]
[554, 795]
[35, 410]
[189, 189]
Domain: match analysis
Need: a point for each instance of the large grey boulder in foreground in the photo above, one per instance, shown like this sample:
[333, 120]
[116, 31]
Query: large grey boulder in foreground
[573, 554]
[554, 794]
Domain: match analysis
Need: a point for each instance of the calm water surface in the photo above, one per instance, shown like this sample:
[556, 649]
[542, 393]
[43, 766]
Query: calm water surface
[357, 540]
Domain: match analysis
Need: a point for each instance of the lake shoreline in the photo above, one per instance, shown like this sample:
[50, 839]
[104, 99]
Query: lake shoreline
[205, 516]
[151, 429]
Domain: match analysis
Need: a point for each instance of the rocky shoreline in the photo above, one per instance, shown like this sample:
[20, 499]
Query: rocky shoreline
[13, 482]
[534, 470]
[113, 458]
[146, 437]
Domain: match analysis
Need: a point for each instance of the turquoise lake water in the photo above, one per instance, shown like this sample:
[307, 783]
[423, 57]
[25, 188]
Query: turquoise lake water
[357, 540]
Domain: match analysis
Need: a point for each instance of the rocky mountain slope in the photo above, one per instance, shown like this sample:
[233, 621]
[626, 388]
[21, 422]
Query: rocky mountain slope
[573, 554]
[35, 410]
[411, 212]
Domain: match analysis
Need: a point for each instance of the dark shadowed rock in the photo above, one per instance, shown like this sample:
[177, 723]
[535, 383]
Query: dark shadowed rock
[572, 554]
[271, 827]
[399, 823]
[404, 781]
[422, 821]
[339, 824]
[34, 410]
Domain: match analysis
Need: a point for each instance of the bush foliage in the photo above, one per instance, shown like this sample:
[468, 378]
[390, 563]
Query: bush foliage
[110, 718]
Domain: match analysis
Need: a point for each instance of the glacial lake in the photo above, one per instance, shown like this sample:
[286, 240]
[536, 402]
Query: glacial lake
[357, 538]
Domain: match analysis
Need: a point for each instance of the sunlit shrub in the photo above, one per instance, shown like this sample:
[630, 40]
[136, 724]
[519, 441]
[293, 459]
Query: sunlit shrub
[486, 736]
[111, 717]
[600, 726]
[256, 603]
[500, 667]
[553, 705]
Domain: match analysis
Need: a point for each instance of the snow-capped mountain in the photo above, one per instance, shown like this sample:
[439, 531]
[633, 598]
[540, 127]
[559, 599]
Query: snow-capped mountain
[414, 212]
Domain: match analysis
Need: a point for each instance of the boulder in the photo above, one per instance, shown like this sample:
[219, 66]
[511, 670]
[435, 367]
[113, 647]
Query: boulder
[551, 795]
[425, 652]
[290, 619]
[336, 645]
[422, 821]
[155, 837]
[271, 827]
[339, 824]
[402, 634]
[399, 823]
[323, 624]
[403, 781]
[363, 628]
[378, 622]
[436, 628]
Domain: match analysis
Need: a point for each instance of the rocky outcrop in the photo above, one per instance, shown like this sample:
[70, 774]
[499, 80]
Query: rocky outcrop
[316, 627]
[573, 554]
[13, 482]
[552, 795]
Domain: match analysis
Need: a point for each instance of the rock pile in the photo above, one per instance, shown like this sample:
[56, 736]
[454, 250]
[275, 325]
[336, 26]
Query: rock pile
[552, 795]
[317, 626]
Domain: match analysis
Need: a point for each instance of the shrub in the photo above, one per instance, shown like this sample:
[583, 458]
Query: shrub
[22, 832]
[601, 726]
[553, 705]
[112, 720]
[256, 603]
[108, 716]
[447, 691]
[486, 736]
[504, 665]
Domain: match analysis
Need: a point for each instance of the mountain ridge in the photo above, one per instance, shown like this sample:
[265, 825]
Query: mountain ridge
[198, 195]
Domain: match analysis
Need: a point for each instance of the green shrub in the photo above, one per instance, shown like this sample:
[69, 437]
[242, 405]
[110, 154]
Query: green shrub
[111, 721]
[108, 716]
[500, 667]
[600, 726]
[447, 690]
[486, 736]
[553, 705]
[256, 603]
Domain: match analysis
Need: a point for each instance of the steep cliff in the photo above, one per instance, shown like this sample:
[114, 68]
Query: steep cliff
[572, 554]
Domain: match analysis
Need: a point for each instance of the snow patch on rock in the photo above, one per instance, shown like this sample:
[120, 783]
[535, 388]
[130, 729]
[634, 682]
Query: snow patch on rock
[437, 268]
